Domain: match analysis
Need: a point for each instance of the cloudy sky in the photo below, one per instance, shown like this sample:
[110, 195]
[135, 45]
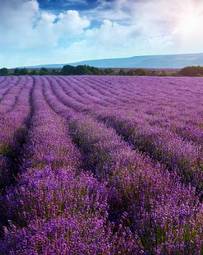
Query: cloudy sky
[63, 31]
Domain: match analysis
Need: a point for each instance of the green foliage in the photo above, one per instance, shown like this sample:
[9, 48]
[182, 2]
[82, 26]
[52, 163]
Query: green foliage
[67, 70]
[122, 72]
[43, 71]
[163, 73]
[81, 70]
[138, 71]
[90, 70]
[21, 71]
[4, 71]
[33, 72]
[192, 71]
[108, 71]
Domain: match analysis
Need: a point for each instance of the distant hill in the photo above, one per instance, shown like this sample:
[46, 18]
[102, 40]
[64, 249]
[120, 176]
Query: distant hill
[153, 61]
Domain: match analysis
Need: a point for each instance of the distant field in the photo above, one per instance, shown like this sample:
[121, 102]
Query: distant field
[101, 165]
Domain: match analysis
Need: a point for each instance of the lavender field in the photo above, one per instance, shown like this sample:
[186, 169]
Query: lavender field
[101, 165]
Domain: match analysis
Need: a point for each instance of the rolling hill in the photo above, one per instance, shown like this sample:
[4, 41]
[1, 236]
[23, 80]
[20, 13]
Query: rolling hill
[153, 61]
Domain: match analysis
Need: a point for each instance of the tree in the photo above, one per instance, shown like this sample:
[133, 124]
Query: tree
[192, 71]
[122, 72]
[33, 72]
[20, 71]
[4, 71]
[138, 71]
[43, 71]
[80, 70]
[55, 71]
[67, 70]
[163, 73]
[108, 71]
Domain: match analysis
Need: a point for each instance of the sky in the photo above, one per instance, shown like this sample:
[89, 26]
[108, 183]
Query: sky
[34, 32]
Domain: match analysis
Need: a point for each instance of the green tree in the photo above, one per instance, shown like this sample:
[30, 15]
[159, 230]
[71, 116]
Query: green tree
[68, 70]
[192, 71]
[122, 72]
[138, 71]
[20, 71]
[80, 70]
[4, 71]
[33, 72]
[108, 71]
[43, 71]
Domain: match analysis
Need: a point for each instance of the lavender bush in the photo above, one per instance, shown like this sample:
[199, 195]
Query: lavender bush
[101, 165]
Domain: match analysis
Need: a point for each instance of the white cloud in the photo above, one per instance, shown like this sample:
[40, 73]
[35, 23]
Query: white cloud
[176, 22]
[23, 25]
[71, 22]
[124, 28]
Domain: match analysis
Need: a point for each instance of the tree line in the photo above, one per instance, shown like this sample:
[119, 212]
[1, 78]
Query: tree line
[89, 70]
[65, 70]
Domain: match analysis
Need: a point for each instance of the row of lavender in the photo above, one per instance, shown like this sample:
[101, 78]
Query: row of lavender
[184, 156]
[14, 112]
[54, 207]
[155, 110]
[139, 191]
[157, 100]
[122, 203]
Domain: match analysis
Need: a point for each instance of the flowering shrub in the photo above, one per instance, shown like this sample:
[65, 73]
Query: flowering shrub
[101, 165]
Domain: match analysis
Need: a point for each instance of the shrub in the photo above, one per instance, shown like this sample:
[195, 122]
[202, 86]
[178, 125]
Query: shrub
[192, 71]
[80, 70]
[44, 71]
[3, 71]
[20, 71]
[138, 71]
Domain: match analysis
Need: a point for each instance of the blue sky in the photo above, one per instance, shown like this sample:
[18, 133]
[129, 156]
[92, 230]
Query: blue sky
[60, 5]
[64, 31]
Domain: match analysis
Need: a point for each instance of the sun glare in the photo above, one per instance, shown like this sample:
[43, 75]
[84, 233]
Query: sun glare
[189, 24]
[189, 21]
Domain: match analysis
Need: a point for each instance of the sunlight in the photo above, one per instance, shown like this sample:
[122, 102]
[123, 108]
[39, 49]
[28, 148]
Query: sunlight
[189, 21]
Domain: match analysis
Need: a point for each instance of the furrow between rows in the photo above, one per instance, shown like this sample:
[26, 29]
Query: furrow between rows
[55, 208]
[140, 192]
